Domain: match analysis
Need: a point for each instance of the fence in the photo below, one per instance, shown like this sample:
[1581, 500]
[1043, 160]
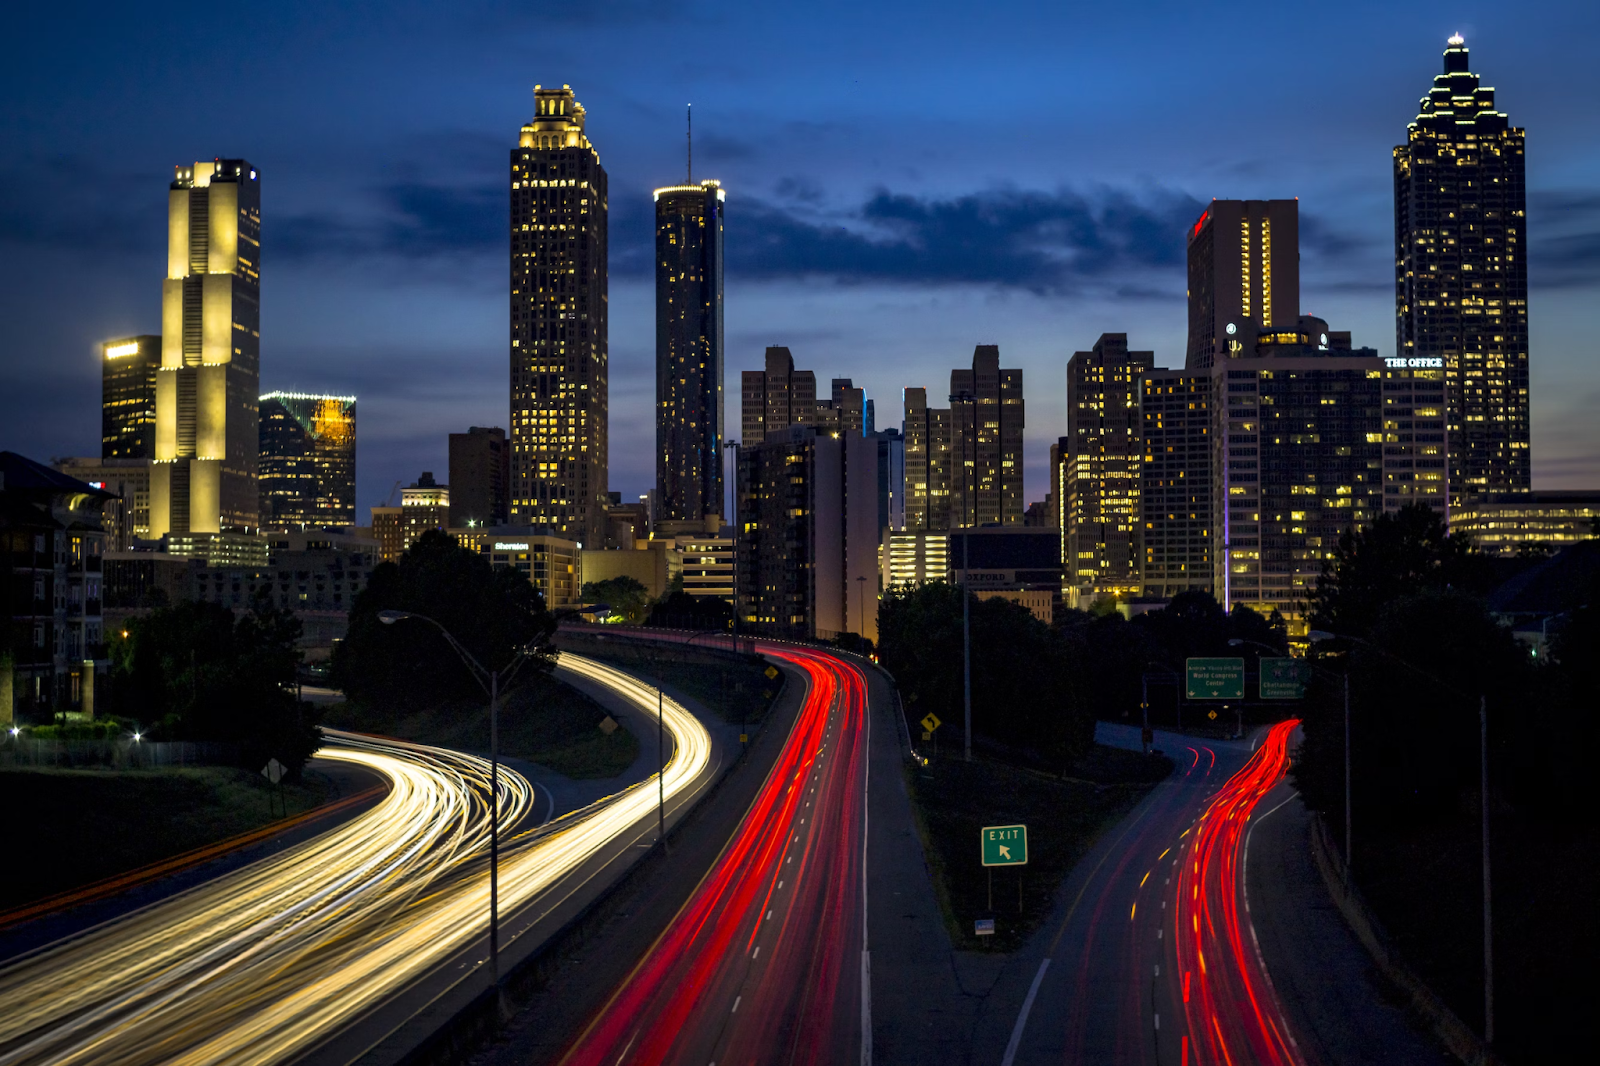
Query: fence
[124, 754]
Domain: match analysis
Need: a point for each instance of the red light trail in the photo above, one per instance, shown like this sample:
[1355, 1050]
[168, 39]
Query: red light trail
[1228, 1002]
[760, 964]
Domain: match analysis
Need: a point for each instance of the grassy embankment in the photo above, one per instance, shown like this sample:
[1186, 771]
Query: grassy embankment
[542, 720]
[954, 800]
[72, 827]
[736, 690]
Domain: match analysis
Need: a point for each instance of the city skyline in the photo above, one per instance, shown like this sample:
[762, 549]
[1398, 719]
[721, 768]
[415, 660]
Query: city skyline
[825, 292]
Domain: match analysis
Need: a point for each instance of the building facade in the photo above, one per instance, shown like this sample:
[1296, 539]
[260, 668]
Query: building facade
[51, 546]
[929, 456]
[1175, 482]
[1415, 437]
[207, 438]
[480, 477]
[689, 351]
[845, 410]
[1102, 513]
[559, 354]
[1244, 277]
[1520, 521]
[807, 555]
[424, 505]
[551, 562]
[1461, 272]
[913, 557]
[776, 397]
[308, 461]
[125, 519]
[128, 368]
[986, 423]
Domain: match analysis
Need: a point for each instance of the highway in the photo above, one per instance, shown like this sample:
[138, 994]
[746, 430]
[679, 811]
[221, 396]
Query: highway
[1154, 960]
[265, 964]
[767, 960]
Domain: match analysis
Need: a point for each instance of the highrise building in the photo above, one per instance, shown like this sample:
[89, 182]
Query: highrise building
[986, 422]
[424, 505]
[1100, 473]
[1461, 273]
[891, 478]
[128, 397]
[126, 518]
[689, 353]
[308, 461]
[928, 459]
[808, 539]
[776, 398]
[480, 478]
[845, 411]
[558, 323]
[1415, 441]
[205, 476]
[1175, 477]
[1244, 277]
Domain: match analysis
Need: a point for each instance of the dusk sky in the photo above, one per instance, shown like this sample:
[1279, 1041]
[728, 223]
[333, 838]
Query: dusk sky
[904, 181]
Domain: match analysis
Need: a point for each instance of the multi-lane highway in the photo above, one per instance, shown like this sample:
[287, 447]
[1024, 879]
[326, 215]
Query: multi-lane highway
[1154, 960]
[269, 962]
[767, 960]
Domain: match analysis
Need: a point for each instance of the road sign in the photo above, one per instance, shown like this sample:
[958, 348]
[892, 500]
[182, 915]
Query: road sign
[1005, 845]
[273, 771]
[771, 672]
[608, 725]
[927, 734]
[931, 722]
[1283, 679]
[1211, 715]
[983, 927]
[1214, 679]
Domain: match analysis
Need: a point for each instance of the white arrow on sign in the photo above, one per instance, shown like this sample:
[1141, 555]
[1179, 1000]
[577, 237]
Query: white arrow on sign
[1005, 852]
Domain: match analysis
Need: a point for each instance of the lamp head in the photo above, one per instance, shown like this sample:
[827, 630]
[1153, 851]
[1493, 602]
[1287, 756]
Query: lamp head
[1234, 642]
[389, 618]
[1317, 636]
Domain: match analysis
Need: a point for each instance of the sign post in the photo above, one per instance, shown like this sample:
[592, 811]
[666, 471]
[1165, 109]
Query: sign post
[1004, 845]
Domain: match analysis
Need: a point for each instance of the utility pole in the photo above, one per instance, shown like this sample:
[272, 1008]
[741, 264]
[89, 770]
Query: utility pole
[966, 643]
[1349, 850]
[1144, 712]
[1488, 912]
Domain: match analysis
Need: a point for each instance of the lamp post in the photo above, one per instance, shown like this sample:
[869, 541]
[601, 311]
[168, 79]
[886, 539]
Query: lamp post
[861, 607]
[971, 401]
[491, 681]
[1317, 636]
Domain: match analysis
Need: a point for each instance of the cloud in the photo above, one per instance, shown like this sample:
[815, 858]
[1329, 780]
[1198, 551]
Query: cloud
[71, 202]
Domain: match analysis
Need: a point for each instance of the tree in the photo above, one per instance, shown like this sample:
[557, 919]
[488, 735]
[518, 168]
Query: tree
[679, 610]
[1402, 553]
[491, 611]
[194, 672]
[1026, 690]
[628, 599]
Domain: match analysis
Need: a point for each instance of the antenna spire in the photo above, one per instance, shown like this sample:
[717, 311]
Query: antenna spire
[688, 136]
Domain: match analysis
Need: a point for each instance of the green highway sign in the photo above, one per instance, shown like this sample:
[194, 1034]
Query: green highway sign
[1214, 679]
[1283, 679]
[1004, 845]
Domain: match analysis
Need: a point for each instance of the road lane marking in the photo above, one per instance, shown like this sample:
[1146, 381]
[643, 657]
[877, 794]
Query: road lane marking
[1022, 1017]
[756, 954]
[736, 1000]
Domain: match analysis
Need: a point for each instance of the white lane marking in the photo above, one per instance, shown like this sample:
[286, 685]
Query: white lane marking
[736, 1000]
[1022, 1018]
[756, 954]
[769, 916]
[1244, 885]
[866, 956]
[780, 884]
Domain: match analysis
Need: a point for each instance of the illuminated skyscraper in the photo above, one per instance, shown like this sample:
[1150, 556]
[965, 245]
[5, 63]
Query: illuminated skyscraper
[1461, 273]
[986, 422]
[1175, 409]
[928, 458]
[1244, 277]
[689, 351]
[308, 461]
[128, 397]
[204, 478]
[1100, 471]
[558, 323]
[776, 398]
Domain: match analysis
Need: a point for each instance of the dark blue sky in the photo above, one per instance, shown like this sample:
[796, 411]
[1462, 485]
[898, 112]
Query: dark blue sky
[904, 181]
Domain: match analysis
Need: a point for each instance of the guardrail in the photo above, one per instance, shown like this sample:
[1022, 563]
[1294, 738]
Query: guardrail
[124, 754]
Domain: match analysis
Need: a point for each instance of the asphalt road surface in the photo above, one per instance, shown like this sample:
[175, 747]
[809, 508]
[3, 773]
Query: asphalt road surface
[767, 960]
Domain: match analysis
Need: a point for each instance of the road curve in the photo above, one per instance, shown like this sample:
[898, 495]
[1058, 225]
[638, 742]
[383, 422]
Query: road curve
[263, 964]
[766, 961]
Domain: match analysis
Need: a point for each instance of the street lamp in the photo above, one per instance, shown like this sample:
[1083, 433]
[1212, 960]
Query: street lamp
[1317, 636]
[971, 401]
[491, 681]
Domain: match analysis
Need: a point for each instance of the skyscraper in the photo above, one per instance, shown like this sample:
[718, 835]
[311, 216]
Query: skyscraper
[1244, 276]
[1100, 472]
[845, 411]
[128, 397]
[1175, 413]
[204, 478]
[558, 323]
[776, 398]
[1461, 273]
[308, 461]
[689, 351]
[480, 478]
[986, 422]
[928, 459]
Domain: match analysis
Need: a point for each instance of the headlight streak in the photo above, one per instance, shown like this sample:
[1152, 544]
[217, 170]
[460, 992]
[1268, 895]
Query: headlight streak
[262, 964]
